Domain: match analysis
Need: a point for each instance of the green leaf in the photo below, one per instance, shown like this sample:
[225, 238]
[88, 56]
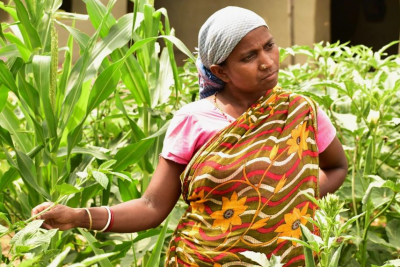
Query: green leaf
[23, 50]
[4, 40]
[118, 37]
[7, 178]
[3, 96]
[91, 260]
[131, 154]
[349, 222]
[137, 133]
[7, 78]
[89, 237]
[164, 82]
[60, 257]
[10, 122]
[9, 51]
[101, 178]
[94, 151]
[4, 218]
[155, 255]
[29, 94]
[124, 190]
[27, 171]
[41, 72]
[12, 174]
[67, 189]
[3, 230]
[104, 86]
[23, 16]
[81, 38]
[6, 137]
[393, 232]
[309, 258]
[391, 185]
[96, 11]
[334, 262]
[121, 175]
[160, 132]
[258, 257]
[106, 165]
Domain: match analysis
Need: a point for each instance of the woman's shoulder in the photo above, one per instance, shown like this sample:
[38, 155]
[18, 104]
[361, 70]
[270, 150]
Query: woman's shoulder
[195, 108]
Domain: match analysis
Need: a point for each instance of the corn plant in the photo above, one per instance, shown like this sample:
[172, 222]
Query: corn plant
[84, 133]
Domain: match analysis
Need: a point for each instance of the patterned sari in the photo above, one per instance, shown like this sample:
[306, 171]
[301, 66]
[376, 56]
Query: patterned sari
[245, 187]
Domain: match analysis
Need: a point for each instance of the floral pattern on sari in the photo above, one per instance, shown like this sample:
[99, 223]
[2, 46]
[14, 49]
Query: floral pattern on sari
[246, 187]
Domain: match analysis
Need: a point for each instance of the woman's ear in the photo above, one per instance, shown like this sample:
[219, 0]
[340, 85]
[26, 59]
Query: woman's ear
[219, 71]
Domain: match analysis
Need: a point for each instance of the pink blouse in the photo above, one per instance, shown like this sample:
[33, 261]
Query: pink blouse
[195, 123]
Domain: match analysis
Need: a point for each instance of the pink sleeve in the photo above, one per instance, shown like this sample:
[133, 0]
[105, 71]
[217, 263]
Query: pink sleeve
[326, 131]
[181, 138]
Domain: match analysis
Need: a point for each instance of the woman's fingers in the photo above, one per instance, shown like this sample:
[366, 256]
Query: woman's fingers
[40, 208]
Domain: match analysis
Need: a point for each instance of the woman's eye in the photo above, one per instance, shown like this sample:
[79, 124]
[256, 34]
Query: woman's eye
[248, 57]
[269, 45]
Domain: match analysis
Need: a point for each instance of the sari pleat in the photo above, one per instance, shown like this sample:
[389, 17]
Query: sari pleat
[246, 187]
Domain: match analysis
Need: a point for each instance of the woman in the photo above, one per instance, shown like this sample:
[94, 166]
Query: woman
[248, 152]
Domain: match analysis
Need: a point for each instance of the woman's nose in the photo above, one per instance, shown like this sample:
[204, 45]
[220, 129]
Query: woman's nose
[265, 61]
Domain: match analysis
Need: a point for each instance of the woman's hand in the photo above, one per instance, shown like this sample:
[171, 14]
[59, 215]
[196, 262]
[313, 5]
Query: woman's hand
[60, 216]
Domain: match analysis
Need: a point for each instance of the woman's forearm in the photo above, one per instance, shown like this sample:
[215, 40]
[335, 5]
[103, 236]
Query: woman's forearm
[132, 216]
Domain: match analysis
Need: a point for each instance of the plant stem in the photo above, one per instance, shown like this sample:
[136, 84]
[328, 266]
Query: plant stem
[364, 239]
[353, 185]
[390, 154]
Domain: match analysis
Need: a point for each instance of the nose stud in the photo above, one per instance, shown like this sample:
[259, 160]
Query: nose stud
[263, 66]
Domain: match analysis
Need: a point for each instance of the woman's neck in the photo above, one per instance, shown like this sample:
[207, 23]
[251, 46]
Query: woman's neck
[236, 103]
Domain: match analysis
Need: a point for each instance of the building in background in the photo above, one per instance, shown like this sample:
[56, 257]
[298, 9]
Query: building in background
[373, 23]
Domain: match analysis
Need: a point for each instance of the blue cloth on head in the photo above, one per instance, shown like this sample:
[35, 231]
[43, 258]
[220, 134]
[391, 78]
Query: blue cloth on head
[209, 83]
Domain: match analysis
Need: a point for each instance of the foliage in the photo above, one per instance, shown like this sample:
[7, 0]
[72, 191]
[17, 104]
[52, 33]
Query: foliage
[83, 133]
[90, 132]
[359, 89]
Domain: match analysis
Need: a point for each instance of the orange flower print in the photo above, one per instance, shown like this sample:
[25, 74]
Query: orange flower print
[229, 215]
[298, 141]
[197, 201]
[217, 265]
[293, 222]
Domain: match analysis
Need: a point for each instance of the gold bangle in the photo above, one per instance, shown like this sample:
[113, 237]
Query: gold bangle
[90, 219]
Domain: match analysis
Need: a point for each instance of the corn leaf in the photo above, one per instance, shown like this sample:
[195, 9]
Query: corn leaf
[23, 16]
[155, 255]
[10, 122]
[3, 96]
[9, 51]
[41, 72]
[77, 78]
[96, 11]
[29, 94]
[23, 50]
[27, 171]
[7, 78]
[94, 151]
[81, 38]
[131, 154]
[165, 80]
[104, 86]
[118, 37]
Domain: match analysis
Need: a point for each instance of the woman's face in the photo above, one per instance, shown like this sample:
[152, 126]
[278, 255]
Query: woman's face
[253, 65]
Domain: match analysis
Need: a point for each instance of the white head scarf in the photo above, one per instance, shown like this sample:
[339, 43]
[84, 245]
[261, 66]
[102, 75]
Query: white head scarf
[218, 36]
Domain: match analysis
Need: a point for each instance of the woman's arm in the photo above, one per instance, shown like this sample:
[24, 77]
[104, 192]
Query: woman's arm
[131, 216]
[333, 168]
